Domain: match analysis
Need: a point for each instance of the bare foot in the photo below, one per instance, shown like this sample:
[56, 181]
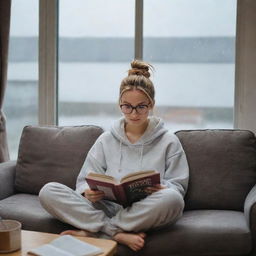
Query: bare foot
[141, 234]
[133, 240]
[78, 233]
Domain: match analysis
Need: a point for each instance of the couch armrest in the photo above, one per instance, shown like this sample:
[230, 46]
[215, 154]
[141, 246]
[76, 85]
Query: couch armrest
[250, 215]
[249, 204]
[7, 174]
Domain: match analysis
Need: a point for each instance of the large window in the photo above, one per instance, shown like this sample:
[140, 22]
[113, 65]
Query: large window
[190, 43]
[21, 99]
[192, 46]
[96, 41]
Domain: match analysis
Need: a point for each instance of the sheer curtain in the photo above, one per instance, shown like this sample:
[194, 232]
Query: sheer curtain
[5, 9]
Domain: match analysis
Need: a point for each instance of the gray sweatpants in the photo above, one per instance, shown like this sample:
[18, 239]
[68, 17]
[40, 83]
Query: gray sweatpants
[158, 209]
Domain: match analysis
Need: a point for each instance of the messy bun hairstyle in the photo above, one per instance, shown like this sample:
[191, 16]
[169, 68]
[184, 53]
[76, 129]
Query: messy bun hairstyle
[139, 78]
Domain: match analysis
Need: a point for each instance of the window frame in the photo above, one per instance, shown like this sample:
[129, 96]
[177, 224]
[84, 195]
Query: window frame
[48, 62]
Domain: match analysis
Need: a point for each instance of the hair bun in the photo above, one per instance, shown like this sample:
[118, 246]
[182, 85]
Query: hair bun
[140, 68]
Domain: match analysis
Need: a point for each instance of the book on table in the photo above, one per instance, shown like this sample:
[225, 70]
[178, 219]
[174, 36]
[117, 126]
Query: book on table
[131, 188]
[66, 246]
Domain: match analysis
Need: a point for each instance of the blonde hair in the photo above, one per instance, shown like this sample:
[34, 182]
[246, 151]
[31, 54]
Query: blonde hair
[139, 79]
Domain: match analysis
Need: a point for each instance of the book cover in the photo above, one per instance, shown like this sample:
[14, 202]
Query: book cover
[135, 189]
[130, 189]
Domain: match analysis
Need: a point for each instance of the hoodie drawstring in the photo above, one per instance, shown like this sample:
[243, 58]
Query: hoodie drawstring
[120, 158]
[141, 156]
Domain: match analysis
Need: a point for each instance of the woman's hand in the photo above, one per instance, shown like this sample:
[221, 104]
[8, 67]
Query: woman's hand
[155, 188]
[93, 195]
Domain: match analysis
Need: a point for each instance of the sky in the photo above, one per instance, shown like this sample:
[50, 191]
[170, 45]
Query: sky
[115, 18]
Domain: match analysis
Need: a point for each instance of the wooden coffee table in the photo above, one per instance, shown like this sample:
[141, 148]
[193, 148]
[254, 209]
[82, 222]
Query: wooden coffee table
[33, 239]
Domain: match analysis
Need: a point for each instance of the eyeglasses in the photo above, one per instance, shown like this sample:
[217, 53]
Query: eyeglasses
[141, 109]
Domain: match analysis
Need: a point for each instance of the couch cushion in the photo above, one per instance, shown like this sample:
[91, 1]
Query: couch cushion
[201, 232]
[52, 154]
[27, 209]
[222, 166]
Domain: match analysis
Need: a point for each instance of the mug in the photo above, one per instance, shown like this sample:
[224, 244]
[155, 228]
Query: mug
[10, 236]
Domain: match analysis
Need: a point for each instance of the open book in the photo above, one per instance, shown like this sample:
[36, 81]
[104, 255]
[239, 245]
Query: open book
[66, 246]
[129, 189]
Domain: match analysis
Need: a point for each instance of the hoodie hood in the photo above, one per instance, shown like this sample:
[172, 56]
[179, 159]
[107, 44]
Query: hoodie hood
[154, 130]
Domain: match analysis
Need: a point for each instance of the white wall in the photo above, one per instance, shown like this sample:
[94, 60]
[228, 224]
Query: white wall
[245, 91]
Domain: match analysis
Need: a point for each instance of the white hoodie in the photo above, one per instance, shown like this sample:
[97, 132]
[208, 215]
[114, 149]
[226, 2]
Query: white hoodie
[158, 149]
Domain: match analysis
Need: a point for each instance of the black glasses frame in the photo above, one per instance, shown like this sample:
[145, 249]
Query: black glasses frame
[137, 108]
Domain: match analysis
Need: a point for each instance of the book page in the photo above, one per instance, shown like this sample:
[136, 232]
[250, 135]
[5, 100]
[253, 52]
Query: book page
[75, 247]
[48, 250]
[107, 191]
[102, 177]
[67, 246]
[137, 175]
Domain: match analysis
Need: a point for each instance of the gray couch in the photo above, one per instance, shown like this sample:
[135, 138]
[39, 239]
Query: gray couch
[220, 212]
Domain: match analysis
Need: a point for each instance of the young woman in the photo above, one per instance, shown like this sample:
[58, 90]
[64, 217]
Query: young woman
[137, 141]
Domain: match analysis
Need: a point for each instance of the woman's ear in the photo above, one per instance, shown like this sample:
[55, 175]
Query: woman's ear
[152, 104]
[151, 108]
